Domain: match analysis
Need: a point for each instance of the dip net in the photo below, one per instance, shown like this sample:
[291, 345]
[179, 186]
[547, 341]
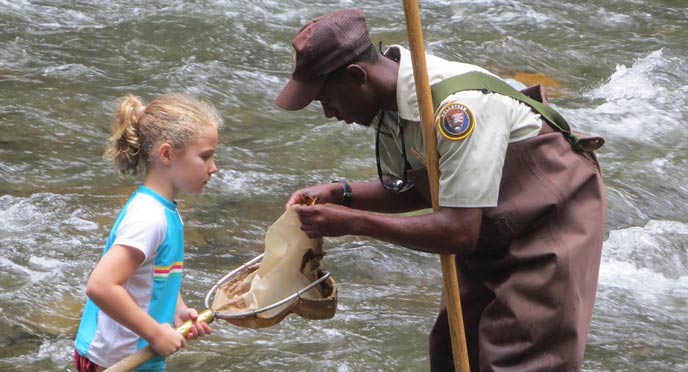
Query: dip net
[285, 279]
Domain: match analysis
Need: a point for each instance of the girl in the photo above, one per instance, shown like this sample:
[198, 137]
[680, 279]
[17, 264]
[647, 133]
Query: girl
[133, 292]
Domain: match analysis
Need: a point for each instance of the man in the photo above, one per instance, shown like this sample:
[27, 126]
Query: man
[522, 203]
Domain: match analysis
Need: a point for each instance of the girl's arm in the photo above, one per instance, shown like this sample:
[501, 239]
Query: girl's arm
[184, 313]
[105, 287]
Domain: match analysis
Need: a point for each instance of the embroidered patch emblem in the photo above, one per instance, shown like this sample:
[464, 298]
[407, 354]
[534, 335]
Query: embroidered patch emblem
[455, 121]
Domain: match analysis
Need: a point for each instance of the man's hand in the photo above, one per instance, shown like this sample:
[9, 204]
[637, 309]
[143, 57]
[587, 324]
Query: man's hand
[326, 220]
[321, 194]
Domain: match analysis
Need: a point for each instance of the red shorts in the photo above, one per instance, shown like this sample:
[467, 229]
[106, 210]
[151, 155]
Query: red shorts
[83, 364]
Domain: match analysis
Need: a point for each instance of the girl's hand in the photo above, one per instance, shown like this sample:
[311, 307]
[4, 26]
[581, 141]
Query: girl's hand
[197, 329]
[166, 341]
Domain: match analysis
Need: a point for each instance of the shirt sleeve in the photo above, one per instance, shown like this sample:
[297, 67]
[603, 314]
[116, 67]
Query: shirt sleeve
[143, 228]
[472, 137]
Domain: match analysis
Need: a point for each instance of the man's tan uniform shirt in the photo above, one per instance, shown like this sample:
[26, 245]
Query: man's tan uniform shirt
[470, 168]
[528, 287]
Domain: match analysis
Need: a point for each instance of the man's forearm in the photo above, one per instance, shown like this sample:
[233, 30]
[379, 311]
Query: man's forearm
[371, 196]
[444, 232]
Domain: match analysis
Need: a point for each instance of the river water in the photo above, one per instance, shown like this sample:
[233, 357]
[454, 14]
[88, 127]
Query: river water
[616, 68]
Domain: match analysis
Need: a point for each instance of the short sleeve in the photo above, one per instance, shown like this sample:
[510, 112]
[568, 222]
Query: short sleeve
[472, 137]
[143, 226]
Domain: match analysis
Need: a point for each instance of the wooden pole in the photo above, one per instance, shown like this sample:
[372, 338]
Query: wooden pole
[134, 360]
[449, 273]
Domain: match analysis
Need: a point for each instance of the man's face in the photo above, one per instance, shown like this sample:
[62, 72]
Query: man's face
[347, 99]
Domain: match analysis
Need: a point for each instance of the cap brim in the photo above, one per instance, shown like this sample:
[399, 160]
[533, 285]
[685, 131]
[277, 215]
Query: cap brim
[298, 94]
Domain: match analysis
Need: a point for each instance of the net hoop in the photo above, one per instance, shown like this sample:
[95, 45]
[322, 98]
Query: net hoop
[291, 300]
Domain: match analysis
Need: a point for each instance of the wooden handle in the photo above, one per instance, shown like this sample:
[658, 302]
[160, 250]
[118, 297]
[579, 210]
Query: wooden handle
[132, 361]
[142, 356]
[449, 273]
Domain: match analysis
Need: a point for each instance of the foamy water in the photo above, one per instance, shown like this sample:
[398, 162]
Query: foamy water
[622, 72]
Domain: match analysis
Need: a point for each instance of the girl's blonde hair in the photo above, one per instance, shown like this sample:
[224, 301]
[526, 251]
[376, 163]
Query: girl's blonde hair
[138, 130]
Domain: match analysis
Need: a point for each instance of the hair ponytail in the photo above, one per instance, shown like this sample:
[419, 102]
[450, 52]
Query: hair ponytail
[124, 147]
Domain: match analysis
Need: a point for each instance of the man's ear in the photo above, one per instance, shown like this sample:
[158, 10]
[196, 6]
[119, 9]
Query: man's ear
[357, 73]
[165, 153]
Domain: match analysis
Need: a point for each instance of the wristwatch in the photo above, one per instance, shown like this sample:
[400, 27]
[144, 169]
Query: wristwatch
[347, 194]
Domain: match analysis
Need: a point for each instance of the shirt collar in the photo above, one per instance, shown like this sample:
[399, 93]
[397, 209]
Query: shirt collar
[438, 69]
[407, 102]
[166, 203]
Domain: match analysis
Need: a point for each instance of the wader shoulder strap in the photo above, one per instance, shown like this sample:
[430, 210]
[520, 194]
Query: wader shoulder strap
[486, 83]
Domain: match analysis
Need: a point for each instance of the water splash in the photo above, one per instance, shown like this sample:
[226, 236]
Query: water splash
[644, 101]
[658, 252]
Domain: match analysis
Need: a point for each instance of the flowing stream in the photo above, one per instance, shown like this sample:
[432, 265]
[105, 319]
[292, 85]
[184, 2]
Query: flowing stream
[615, 68]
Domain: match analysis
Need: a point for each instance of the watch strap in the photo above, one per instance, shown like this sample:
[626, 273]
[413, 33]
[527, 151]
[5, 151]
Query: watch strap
[346, 194]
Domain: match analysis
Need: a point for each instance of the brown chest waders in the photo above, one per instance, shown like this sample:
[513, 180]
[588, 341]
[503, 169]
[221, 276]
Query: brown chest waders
[528, 288]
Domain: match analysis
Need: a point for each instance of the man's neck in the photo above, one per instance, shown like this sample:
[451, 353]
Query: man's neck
[388, 72]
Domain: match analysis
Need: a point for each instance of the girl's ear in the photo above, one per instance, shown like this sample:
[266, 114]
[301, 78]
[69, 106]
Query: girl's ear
[165, 153]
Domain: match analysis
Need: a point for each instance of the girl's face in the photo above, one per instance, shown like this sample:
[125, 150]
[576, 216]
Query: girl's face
[192, 167]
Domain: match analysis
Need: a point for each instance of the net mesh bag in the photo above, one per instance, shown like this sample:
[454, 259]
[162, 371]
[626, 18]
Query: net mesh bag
[290, 263]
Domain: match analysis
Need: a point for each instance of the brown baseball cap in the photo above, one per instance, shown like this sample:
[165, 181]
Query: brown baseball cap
[322, 46]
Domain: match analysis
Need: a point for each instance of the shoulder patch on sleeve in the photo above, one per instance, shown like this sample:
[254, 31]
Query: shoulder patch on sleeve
[455, 121]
